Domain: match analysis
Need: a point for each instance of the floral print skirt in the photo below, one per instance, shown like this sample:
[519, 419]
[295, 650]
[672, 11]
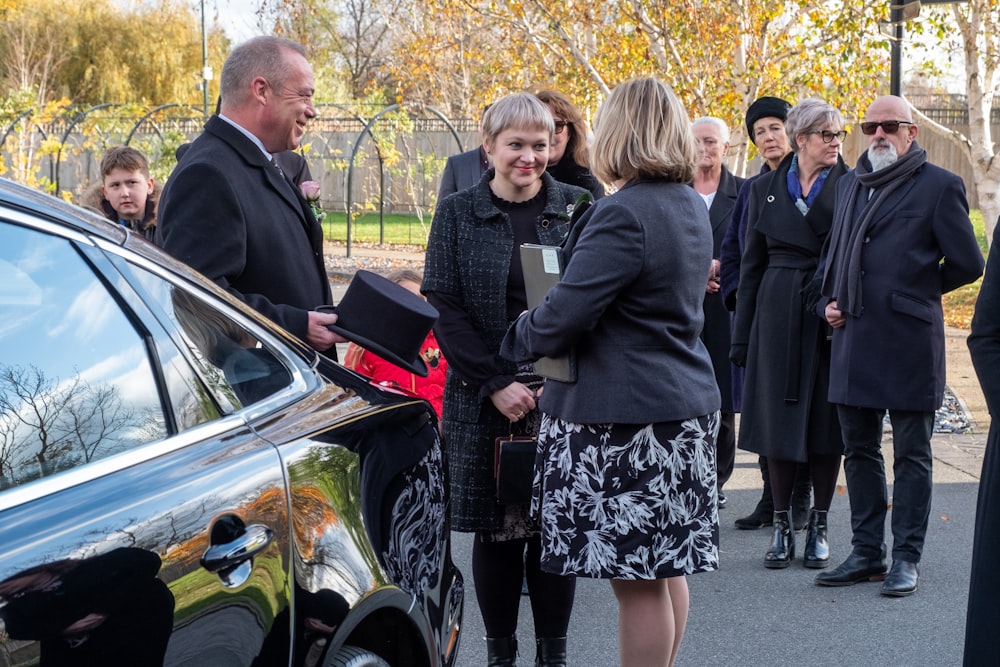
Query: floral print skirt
[621, 501]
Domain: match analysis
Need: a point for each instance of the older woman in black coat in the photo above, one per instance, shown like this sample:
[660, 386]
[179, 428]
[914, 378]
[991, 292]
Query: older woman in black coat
[718, 188]
[786, 415]
[473, 276]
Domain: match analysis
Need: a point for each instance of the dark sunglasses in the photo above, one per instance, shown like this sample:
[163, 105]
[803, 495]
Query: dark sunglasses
[888, 126]
[561, 125]
[828, 136]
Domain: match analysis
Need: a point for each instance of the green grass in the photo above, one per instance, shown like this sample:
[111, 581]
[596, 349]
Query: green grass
[399, 229]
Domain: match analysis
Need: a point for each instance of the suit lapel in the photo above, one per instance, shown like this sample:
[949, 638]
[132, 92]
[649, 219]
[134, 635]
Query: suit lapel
[721, 209]
[255, 159]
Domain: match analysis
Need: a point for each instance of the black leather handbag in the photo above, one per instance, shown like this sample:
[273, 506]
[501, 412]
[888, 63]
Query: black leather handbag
[514, 468]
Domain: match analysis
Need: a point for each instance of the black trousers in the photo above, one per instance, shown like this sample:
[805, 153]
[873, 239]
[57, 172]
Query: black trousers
[864, 468]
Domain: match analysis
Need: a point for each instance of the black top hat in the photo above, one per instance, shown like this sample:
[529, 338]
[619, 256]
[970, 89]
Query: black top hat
[385, 318]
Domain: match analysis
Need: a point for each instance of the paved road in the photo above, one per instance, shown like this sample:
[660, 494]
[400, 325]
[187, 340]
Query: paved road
[746, 615]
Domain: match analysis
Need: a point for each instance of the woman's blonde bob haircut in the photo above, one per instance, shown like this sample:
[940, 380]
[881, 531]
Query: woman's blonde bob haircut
[519, 111]
[643, 131]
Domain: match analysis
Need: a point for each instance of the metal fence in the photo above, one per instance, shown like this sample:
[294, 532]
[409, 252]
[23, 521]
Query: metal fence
[366, 158]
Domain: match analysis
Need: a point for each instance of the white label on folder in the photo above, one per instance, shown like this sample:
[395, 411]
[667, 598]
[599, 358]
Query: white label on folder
[550, 260]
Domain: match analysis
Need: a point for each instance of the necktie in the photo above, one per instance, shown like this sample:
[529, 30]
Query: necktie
[274, 163]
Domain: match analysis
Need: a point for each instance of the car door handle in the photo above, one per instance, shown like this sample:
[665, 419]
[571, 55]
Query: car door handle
[245, 546]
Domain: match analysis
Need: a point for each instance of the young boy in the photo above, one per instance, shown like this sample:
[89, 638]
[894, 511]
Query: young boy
[128, 190]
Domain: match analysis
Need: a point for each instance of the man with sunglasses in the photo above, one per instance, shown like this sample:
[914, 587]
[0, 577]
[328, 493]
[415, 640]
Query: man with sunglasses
[901, 237]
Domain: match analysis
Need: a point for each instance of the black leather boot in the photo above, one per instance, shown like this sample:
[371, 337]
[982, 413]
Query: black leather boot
[801, 496]
[817, 552]
[782, 549]
[763, 514]
[501, 652]
[550, 652]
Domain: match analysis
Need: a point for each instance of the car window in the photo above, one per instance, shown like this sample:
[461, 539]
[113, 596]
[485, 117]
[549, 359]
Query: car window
[238, 368]
[76, 383]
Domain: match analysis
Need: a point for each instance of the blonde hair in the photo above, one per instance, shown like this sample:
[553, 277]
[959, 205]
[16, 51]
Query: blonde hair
[643, 131]
[522, 111]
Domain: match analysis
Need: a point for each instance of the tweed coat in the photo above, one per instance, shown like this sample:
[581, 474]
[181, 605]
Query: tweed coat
[785, 411]
[468, 257]
[983, 616]
[229, 214]
[920, 245]
[716, 333]
[629, 307]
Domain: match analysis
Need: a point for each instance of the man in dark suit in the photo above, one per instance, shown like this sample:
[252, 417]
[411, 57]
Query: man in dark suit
[463, 171]
[230, 212]
[901, 237]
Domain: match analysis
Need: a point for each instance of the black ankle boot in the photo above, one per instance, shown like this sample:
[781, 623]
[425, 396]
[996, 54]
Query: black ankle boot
[550, 652]
[763, 514]
[801, 497]
[782, 549]
[501, 652]
[817, 552]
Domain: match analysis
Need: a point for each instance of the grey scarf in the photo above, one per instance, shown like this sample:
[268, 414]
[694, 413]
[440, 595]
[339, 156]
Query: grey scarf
[843, 266]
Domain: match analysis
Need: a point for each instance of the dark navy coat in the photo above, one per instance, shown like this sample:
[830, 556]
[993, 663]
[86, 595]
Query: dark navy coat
[920, 245]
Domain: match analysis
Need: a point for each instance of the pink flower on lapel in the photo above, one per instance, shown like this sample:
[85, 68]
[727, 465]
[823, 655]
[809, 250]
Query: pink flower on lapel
[310, 190]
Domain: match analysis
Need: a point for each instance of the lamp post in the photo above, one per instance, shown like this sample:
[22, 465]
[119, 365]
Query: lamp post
[901, 11]
[206, 71]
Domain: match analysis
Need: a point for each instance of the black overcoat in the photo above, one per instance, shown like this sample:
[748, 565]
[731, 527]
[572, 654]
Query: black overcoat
[717, 332]
[983, 616]
[785, 411]
[919, 245]
[232, 216]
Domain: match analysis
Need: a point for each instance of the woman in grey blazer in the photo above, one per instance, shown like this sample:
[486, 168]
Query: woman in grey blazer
[625, 480]
[472, 275]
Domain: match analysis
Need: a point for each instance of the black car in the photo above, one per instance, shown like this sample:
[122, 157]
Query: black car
[182, 482]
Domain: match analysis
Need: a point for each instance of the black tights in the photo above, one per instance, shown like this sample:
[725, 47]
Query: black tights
[823, 470]
[498, 569]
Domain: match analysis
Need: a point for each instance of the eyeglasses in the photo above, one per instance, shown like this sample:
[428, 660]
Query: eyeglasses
[561, 125]
[888, 126]
[828, 136]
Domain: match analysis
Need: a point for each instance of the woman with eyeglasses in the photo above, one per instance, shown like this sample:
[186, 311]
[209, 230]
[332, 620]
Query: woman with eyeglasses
[473, 276]
[569, 154]
[784, 346]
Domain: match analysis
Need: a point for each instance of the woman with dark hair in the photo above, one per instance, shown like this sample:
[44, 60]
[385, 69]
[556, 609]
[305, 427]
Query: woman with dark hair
[473, 276]
[569, 154]
[784, 346]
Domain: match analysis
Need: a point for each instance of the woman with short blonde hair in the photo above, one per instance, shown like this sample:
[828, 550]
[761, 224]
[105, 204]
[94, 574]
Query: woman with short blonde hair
[646, 134]
[473, 276]
[623, 483]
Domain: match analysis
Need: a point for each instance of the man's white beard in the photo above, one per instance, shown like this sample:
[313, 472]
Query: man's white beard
[881, 159]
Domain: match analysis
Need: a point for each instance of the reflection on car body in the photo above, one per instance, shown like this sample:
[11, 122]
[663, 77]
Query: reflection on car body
[177, 471]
